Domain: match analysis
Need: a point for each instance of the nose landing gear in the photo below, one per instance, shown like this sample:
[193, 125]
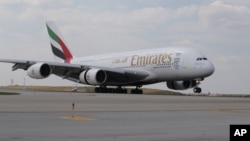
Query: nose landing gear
[197, 90]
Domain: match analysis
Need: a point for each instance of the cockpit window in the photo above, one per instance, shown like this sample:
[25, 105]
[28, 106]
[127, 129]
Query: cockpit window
[201, 58]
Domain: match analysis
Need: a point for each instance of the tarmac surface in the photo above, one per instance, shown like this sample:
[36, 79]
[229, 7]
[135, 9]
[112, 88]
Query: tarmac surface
[49, 116]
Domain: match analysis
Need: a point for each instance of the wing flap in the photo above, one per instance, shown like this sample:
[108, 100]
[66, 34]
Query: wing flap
[18, 64]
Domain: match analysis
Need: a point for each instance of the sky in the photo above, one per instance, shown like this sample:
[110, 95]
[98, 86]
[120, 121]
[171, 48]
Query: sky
[218, 28]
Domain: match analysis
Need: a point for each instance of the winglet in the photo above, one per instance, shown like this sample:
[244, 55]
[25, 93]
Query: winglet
[59, 47]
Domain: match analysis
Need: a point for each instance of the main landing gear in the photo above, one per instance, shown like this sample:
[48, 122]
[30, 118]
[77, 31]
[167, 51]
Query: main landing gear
[110, 90]
[197, 90]
[119, 90]
[137, 90]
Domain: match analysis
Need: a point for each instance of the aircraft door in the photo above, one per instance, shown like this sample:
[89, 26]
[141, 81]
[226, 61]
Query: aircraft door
[184, 61]
[181, 61]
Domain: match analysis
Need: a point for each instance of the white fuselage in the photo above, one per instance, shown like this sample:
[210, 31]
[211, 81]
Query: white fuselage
[163, 64]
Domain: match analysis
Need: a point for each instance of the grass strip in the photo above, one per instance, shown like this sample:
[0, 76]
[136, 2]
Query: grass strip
[9, 93]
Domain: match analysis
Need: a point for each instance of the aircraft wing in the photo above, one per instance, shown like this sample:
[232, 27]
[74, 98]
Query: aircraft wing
[114, 76]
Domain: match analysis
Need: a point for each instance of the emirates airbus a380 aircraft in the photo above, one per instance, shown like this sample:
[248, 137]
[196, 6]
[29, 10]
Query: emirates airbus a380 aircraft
[180, 67]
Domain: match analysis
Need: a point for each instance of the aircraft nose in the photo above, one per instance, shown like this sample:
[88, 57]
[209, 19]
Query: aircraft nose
[210, 68]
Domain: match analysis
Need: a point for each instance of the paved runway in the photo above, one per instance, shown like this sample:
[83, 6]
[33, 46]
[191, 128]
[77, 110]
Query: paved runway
[118, 117]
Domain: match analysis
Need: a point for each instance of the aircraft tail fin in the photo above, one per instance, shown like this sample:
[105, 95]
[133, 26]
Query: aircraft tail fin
[58, 45]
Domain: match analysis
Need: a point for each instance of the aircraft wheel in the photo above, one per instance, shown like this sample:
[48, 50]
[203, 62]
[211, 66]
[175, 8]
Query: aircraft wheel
[119, 90]
[136, 91]
[97, 90]
[110, 90]
[197, 90]
[125, 91]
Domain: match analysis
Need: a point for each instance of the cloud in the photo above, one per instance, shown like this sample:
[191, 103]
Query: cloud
[111, 28]
[220, 15]
[35, 2]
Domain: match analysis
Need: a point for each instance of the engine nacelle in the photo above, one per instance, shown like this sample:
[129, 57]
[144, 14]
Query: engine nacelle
[182, 85]
[93, 77]
[39, 71]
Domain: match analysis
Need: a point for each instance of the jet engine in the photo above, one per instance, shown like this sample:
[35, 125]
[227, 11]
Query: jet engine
[182, 85]
[39, 71]
[93, 77]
